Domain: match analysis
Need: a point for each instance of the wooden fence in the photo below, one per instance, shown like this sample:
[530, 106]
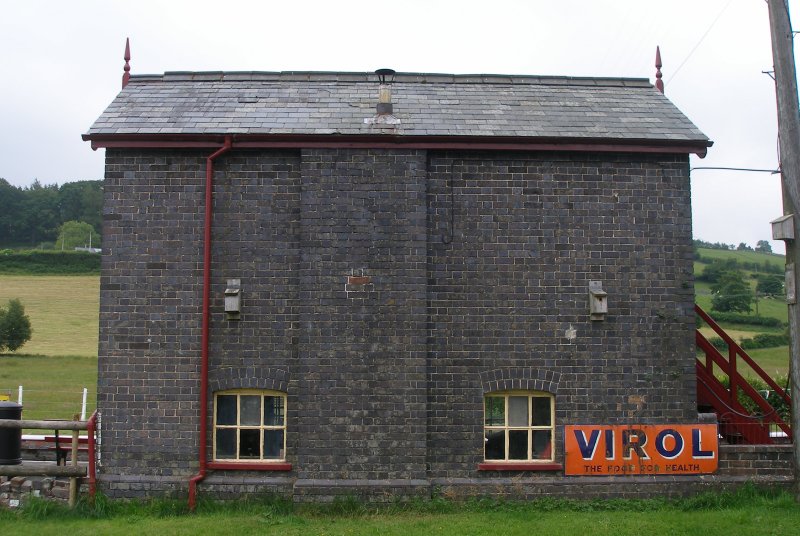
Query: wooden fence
[73, 471]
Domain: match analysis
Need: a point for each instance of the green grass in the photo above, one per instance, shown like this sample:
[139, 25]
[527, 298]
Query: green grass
[64, 312]
[772, 307]
[52, 385]
[723, 523]
[743, 256]
[61, 357]
[747, 511]
[774, 361]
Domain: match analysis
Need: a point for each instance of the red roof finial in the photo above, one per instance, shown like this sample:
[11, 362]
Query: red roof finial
[126, 76]
[659, 83]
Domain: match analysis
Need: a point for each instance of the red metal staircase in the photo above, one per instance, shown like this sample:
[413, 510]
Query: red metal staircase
[736, 423]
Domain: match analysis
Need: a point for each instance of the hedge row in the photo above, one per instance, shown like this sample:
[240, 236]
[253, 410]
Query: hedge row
[762, 340]
[718, 343]
[774, 400]
[765, 267]
[765, 340]
[49, 262]
[738, 318]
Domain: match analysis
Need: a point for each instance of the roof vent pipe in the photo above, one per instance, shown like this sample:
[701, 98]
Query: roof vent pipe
[385, 78]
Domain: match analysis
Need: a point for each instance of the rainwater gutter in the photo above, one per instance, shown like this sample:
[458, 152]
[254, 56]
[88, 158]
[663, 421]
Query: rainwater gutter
[209, 201]
[91, 430]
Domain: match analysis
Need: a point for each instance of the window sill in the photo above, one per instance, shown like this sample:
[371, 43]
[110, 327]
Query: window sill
[529, 466]
[239, 466]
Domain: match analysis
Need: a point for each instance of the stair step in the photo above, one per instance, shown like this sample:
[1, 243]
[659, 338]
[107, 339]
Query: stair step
[708, 416]
[715, 402]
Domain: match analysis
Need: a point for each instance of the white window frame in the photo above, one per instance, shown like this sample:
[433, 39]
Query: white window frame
[530, 428]
[238, 427]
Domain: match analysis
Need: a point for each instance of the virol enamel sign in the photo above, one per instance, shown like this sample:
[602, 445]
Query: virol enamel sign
[680, 449]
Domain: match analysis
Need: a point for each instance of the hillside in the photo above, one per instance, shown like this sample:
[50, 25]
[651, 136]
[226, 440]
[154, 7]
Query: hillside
[774, 360]
[744, 257]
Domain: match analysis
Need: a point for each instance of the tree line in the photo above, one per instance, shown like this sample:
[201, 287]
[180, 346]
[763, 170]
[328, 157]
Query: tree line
[33, 216]
[762, 246]
[719, 265]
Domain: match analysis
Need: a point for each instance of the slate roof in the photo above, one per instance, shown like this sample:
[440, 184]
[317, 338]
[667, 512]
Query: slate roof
[322, 104]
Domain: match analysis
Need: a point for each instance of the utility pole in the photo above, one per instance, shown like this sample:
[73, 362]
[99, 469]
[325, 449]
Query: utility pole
[789, 136]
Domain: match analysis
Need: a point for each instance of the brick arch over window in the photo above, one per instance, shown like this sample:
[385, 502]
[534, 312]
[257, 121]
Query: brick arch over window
[264, 378]
[520, 378]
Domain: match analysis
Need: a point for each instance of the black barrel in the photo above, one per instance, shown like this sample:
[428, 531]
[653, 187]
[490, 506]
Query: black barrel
[10, 438]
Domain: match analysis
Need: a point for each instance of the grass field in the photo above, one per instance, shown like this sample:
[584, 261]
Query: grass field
[52, 385]
[743, 521]
[63, 312]
[774, 361]
[743, 256]
[774, 307]
[61, 357]
[749, 511]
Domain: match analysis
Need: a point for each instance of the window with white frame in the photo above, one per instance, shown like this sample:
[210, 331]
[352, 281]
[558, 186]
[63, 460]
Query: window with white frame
[518, 426]
[250, 425]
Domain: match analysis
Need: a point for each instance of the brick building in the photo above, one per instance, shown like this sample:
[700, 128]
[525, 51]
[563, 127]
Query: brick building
[315, 284]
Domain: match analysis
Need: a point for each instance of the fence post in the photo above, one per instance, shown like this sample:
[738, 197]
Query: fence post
[83, 404]
[19, 396]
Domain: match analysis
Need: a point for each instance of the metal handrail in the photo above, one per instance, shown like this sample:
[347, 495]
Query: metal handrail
[737, 381]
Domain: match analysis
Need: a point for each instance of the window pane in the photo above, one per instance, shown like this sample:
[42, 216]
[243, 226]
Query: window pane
[251, 410]
[541, 411]
[249, 447]
[495, 445]
[226, 409]
[273, 411]
[518, 444]
[226, 443]
[495, 412]
[518, 411]
[542, 445]
[273, 444]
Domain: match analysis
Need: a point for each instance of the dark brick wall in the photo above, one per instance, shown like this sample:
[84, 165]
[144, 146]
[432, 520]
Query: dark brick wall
[361, 388]
[150, 302]
[757, 461]
[513, 242]
[255, 239]
[767, 465]
[151, 295]
[387, 291]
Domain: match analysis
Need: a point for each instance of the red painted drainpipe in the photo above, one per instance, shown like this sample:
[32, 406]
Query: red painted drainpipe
[201, 474]
[91, 427]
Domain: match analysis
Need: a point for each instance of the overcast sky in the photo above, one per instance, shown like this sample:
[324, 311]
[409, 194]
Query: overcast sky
[62, 64]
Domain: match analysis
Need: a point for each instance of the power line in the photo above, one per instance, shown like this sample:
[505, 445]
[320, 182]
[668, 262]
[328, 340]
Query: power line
[675, 72]
[772, 171]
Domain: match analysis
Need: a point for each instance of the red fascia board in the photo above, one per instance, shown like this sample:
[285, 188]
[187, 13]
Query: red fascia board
[505, 466]
[235, 466]
[243, 141]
